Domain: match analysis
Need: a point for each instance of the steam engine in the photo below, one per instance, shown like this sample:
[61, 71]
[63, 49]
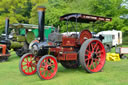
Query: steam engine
[70, 51]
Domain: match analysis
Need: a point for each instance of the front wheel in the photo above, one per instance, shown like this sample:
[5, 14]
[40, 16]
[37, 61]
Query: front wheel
[27, 65]
[92, 55]
[47, 67]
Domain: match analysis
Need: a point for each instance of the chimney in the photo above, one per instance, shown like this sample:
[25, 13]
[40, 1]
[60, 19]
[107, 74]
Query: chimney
[7, 27]
[41, 21]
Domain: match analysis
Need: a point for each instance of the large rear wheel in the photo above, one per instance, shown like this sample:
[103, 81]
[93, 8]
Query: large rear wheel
[92, 55]
[47, 67]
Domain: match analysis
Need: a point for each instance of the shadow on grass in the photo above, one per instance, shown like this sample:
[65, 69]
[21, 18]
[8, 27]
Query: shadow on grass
[65, 70]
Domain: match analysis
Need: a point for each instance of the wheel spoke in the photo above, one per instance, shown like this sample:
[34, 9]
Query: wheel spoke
[88, 51]
[44, 73]
[95, 62]
[52, 64]
[24, 65]
[42, 66]
[46, 61]
[92, 47]
[53, 69]
[31, 68]
[97, 48]
[28, 69]
[43, 70]
[25, 61]
[87, 63]
[100, 52]
[86, 55]
[100, 62]
[25, 69]
[87, 59]
[91, 63]
[30, 58]
[95, 45]
[98, 56]
[50, 72]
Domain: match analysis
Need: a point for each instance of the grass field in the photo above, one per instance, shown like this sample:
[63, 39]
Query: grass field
[114, 73]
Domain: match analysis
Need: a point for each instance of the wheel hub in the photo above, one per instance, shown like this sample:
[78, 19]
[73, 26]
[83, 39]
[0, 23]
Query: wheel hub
[29, 64]
[93, 55]
[49, 68]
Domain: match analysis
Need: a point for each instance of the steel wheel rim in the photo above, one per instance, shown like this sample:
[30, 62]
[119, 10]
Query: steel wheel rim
[26, 64]
[95, 56]
[48, 67]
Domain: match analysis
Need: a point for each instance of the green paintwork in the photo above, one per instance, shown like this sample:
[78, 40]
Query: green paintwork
[20, 38]
[34, 28]
[15, 44]
[30, 36]
[28, 32]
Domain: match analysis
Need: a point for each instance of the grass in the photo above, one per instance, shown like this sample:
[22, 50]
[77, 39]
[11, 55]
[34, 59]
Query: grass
[114, 73]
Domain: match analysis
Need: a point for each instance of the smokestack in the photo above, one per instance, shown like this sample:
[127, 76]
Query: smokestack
[41, 21]
[6, 27]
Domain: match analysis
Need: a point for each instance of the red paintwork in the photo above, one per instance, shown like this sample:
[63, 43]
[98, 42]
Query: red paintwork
[61, 54]
[83, 34]
[44, 72]
[69, 41]
[71, 56]
[95, 64]
[68, 44]
[67, 51]
[3, 49]
[67, 56]
[35, 41]
[27, 64]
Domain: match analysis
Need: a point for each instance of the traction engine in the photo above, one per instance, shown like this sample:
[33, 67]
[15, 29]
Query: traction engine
[71, 51]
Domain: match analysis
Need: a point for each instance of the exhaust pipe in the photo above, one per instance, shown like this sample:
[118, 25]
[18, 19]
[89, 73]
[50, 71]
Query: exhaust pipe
[41, 22]
[7, 28]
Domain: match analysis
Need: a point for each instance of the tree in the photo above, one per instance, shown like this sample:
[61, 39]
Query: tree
[109, 8]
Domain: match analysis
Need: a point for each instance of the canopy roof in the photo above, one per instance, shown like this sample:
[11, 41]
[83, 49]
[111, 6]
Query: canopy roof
[83, 18]
[26, 26]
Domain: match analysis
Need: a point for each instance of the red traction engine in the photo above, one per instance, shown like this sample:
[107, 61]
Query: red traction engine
[71, 51]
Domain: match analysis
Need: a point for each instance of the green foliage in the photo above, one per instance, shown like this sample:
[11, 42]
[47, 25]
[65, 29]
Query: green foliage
[109, 8]
[25, 11]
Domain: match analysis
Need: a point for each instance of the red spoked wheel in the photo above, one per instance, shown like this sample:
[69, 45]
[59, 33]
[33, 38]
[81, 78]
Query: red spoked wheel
[47, 67]
[27, 64]
[92, 55]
